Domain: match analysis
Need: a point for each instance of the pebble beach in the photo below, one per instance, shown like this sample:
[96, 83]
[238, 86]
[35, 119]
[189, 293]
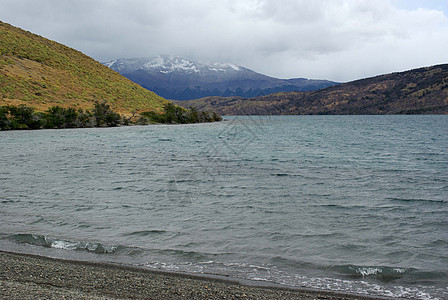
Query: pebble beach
[24, 276]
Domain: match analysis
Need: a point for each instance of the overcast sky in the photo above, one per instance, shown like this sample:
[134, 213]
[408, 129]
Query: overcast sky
[339, 40]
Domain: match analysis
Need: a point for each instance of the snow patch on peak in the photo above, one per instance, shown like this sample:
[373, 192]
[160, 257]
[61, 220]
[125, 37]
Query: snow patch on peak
[109, 64]
[169, 64]
[226, 66]
[166, 64]
[235, 67]
[155, 62]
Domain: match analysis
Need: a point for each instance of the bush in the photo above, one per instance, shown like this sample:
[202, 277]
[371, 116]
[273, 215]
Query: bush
[105, 116]
[149, 117]
[177, 115]
[59, 117]
[85, 119]
[23, 117]
[4, 122]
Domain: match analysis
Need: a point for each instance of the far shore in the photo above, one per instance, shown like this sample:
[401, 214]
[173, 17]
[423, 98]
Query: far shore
[24, 276]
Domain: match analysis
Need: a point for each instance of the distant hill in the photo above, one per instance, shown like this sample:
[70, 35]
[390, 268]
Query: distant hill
[178, 78]
[418, 91]
[41, 73]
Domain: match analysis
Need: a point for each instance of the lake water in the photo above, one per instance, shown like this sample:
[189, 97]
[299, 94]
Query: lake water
[350, 203]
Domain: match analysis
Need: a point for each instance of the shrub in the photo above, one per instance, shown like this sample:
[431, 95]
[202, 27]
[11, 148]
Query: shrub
[4, 122]
[59, 117]
[177, 115]
[24, 117]
[105, 116]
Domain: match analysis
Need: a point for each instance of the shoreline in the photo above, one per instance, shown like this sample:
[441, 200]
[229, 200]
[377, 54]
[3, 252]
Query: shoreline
[32, 276]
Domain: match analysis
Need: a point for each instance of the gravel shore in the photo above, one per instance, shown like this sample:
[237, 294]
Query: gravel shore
[25, 276]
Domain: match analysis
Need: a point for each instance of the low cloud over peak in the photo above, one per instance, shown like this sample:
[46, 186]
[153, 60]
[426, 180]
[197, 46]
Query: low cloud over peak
[339, 40]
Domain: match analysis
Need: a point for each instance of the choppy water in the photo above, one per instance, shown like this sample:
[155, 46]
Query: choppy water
[349, 203]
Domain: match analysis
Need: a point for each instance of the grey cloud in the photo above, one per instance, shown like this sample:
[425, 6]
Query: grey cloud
[333, 39]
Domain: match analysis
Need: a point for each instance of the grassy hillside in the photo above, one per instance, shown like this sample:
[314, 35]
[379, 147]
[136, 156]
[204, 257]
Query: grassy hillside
[41, 73]
[417, 91]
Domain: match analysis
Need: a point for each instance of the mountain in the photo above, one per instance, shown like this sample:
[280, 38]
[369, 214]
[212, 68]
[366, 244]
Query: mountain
[183, 79]
[418, 91]
[41, 73]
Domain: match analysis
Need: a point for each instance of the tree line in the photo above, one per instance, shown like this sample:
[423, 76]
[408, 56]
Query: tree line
[25, 117]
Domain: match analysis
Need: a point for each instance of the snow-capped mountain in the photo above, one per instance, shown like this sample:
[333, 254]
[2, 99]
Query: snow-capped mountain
[167, 64]
[178, 78]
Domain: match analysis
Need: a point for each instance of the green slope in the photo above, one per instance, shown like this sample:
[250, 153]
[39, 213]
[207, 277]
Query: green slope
[41, 73]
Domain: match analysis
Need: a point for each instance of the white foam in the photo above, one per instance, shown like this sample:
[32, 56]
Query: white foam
[273, 274]
[398, 270]
[368, 271]
[63, 245]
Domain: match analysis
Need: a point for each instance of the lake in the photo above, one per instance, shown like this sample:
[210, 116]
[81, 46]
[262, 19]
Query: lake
[356, 204]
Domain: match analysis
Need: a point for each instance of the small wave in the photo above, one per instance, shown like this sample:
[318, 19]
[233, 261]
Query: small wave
[185, 254]
[84, 208]
[241, 270]
[381, 273]
[437, 243]
[340, 206]
[271, 273]
[49, 242]
[146, 232]
[40, 220]
[286, 175]
[368, 271]
[5, 200]
[406, 200]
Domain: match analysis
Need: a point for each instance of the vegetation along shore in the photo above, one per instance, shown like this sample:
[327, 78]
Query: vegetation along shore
[24, 117]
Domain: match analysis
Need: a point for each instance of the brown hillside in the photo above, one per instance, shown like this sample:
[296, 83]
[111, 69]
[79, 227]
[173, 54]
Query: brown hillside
[417, 91]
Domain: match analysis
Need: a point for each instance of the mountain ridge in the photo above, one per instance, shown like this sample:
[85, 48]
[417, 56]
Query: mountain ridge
[179, 78]
[416, 91]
